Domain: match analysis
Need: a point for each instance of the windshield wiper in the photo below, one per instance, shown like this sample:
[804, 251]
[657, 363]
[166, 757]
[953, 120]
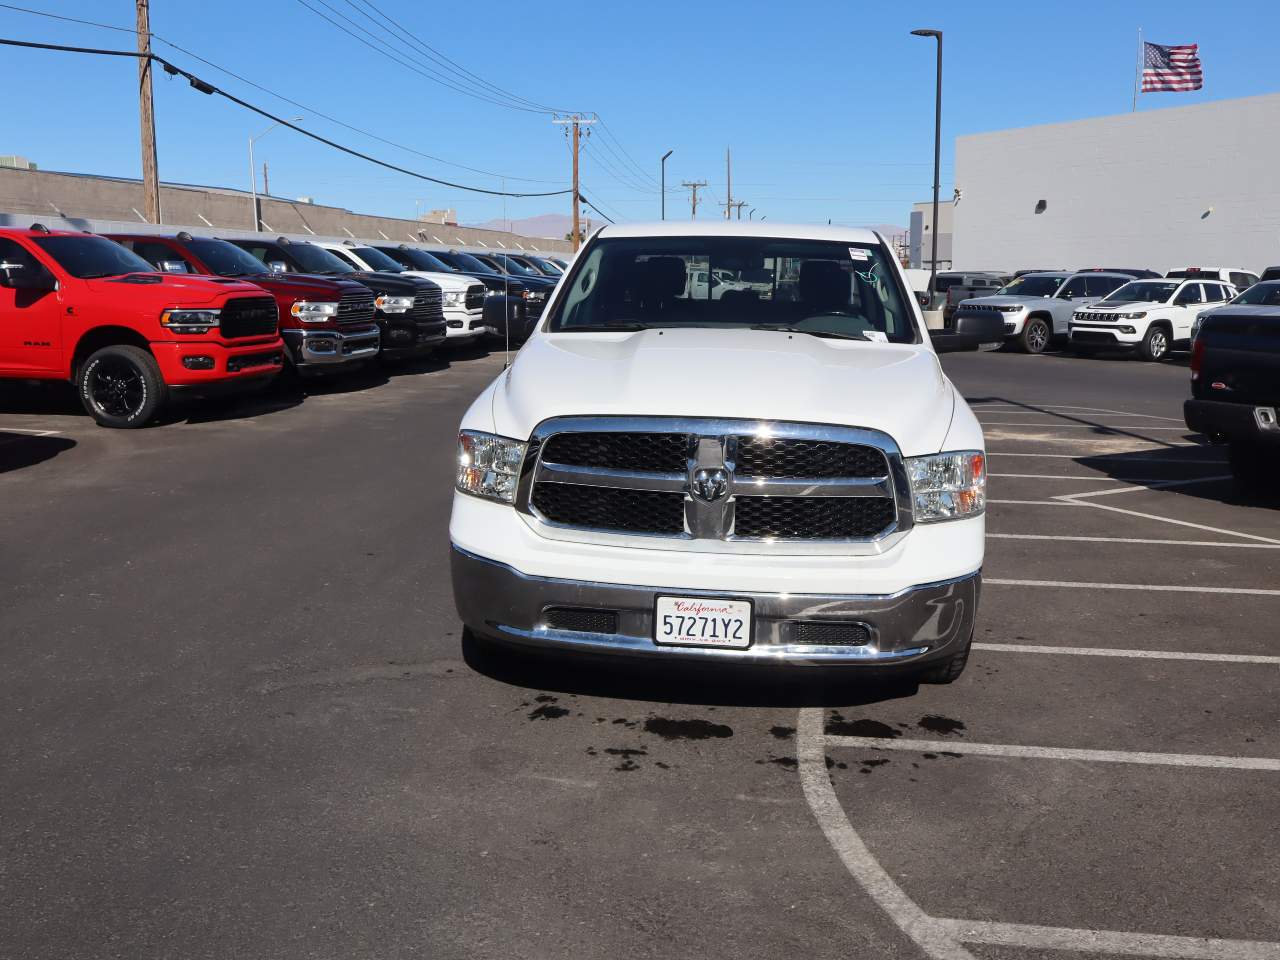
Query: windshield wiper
[827, 334]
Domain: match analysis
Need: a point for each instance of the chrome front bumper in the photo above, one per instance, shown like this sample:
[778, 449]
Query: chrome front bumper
[923, 623]
[332, 346]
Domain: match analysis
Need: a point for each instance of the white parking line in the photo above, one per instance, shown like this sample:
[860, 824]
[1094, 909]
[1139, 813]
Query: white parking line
[1163, 444]
[1045, 407]
[1150, 540]
[1140, 455]
[1078, 426]
[1064, 476]
[1156, 485]
[1108, 941]
[1179, 523]
[34, 433]
[941, 938]
[1145, 587]
[1137, 654]
[1054, 753]
[1039, 503]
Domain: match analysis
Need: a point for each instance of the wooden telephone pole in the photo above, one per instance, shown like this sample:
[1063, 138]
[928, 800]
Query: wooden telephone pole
[146, 116]
[577, 121]
[694, 186]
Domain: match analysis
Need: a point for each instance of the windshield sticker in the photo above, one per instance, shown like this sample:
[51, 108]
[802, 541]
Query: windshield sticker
[875, 336]
[857, 253]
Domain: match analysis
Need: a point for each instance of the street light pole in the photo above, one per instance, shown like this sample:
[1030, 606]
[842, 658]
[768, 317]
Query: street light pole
[253, 173]
[663, 165]
[937, 160]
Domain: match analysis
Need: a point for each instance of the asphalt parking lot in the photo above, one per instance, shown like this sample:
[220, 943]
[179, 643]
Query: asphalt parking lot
[240, 720]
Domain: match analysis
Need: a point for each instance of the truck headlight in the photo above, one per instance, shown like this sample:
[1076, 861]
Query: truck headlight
[314, 311]
[393, 304]
[455, 298]
[1009, 308]
[489, 465]
[948, 486]
[189, 321]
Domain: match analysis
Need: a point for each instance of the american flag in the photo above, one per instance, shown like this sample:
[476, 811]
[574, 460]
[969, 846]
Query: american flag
[1171, 68]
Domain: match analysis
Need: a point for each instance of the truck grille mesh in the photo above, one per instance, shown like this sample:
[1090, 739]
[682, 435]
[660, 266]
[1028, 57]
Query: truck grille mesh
[813, 518]
[788, 459]
[829, 633]
[609, 508]
[248, 317]
[655, 452]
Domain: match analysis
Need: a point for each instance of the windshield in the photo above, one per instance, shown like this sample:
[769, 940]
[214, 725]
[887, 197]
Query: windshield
[90, 257]
[377, 260]
[806, 286]
[1031, 286]
[1142, 291]
[1265, 294]
[226, 259]
[417, 259]
[465, 261]
[315, 259]
[515, 266]
[1193, 274]
[546, 266]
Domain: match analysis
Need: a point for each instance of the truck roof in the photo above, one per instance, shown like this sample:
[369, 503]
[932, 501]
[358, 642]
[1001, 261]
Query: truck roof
[29, 232]
[740, 228]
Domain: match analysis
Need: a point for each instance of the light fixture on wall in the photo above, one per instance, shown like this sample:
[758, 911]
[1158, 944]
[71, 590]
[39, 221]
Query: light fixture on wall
[1041, 206]
[1205, 215]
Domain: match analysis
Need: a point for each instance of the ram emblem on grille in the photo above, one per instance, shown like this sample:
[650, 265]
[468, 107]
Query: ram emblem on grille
[710, 485]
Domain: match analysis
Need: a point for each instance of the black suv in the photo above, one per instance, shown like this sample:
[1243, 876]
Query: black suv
[410, 310]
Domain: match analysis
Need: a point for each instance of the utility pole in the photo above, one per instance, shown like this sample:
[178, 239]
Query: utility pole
[266, 184]
[728, 182]
[577, 121]
[694, 186]
[737, 205]
[146, 116]
[663, 189]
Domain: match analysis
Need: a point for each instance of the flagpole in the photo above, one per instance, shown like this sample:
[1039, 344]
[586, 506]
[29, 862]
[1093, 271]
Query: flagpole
[1137, 80]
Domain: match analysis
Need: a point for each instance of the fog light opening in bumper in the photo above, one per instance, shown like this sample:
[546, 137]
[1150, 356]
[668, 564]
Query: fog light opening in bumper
[198, 363]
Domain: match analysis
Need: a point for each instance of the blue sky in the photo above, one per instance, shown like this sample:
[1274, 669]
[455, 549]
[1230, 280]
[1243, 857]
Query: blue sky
[828, 106]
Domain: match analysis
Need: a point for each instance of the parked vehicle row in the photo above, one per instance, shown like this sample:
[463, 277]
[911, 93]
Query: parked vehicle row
[1108, 308]
[134, 319]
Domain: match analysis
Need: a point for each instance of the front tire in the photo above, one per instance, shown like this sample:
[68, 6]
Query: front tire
[1035, 336]
[1155, 345]
[120, 386]
[947, 671]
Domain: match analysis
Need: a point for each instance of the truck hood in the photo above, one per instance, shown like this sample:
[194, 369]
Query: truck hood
[306, 285]
[171, 289]
[1006, 300]
[393, 284]
[752, 374]
[1243, 310]
[445, 281]
[1127, 306]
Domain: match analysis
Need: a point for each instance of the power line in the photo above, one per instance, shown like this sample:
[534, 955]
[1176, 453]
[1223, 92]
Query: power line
[608, 168]
[445, 62]
[610, 134]
[593, 206]
[208, 88]
[281, 97]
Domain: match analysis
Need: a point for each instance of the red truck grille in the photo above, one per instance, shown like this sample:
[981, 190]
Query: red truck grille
[248, 317]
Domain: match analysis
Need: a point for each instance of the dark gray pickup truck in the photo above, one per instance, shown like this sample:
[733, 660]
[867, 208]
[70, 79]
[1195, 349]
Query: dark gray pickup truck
[1235, 385]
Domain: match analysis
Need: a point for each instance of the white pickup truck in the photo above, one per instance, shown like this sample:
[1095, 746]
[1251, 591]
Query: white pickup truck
[781, 479]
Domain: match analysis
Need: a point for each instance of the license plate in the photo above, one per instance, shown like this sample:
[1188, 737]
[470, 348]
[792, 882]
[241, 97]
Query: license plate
[702, 622]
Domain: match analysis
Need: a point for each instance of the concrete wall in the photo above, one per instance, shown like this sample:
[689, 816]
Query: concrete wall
[920, 242]
[1184, 186]
[43, 196]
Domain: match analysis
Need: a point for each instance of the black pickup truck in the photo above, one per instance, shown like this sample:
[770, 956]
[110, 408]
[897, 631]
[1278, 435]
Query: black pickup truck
[1235, 385]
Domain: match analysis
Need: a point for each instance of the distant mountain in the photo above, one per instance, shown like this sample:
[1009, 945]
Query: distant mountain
[553, 226]
[556, 226]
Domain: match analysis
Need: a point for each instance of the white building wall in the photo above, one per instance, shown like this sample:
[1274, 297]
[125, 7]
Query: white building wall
[1176, 187]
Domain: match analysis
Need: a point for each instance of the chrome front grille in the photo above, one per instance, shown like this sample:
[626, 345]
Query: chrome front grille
[428, 307]
[356, 307]
[695, 483]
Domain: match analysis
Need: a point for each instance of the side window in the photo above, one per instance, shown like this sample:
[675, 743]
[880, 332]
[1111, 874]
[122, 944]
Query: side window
[1099, 286]
[156, 253]
[1242, 281]
[1076, 287]
[266, 252]
[1190, 293]
[344, 256]
[13, 252]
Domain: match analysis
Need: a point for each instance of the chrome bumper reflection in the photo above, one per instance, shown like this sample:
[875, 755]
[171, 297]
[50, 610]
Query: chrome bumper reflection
[918, 624]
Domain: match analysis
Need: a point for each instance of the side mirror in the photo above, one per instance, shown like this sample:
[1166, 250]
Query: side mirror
[18, 276]
[984, 331]
[278, 266]
[1065, 296]
[173, 266]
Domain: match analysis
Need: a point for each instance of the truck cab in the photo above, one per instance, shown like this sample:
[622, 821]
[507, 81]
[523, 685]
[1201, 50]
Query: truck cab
[327, 323]
[786, 480]
[79, 307]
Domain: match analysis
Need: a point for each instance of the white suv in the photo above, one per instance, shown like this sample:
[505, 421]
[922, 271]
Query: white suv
[784, 480]
[1150, 316]
[463, 296]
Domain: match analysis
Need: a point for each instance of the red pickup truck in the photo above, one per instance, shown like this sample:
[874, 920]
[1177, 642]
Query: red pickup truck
[78, 307]
[328, 323]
